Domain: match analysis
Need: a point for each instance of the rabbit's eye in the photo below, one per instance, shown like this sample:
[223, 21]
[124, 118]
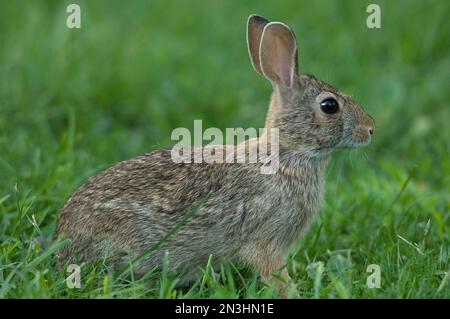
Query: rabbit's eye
[329, 106]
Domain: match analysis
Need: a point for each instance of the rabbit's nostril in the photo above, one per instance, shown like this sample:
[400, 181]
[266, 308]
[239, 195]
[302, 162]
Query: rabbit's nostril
[370, 130]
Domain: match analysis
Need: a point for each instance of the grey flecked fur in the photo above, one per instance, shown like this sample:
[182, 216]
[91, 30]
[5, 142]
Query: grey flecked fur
[248, 216]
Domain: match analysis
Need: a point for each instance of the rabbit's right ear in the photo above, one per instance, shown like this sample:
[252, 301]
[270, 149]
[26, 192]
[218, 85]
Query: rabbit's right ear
[255, 27]
[278, 54]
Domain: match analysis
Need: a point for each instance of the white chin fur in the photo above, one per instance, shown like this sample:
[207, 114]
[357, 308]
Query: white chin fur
[354, 144]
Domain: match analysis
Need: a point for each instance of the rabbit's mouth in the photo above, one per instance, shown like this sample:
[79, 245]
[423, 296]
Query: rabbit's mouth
[354, 144]
[350, 143]
[359, 137]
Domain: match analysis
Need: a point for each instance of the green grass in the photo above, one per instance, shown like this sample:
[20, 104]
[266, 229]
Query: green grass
[73, 102]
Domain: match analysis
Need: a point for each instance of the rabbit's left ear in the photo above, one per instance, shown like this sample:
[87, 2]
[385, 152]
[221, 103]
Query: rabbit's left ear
[278, 54]
[255, 27]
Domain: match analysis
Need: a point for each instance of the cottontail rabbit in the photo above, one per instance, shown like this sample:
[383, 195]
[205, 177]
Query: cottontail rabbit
[246, 215]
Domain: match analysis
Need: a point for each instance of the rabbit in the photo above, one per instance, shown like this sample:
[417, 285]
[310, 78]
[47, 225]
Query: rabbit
[245, 215]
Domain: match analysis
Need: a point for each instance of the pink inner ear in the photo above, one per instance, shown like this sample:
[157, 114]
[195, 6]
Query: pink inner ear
[278, 54]
[283, 61]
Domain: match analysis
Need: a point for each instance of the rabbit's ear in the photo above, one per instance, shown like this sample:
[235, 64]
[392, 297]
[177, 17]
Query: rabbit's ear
[255, 27]
[278, 54]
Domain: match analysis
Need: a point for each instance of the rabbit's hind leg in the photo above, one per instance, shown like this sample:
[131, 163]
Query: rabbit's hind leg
[271, 266]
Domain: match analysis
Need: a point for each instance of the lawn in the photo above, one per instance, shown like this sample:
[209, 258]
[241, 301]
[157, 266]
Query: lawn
[73, 102]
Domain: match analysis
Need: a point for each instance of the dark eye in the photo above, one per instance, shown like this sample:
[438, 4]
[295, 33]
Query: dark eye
[329, 106]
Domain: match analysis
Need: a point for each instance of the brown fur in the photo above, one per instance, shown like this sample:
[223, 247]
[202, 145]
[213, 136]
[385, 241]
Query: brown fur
[248, 216]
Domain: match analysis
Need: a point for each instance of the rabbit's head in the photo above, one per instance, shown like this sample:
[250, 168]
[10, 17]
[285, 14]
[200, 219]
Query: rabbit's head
[313, 117]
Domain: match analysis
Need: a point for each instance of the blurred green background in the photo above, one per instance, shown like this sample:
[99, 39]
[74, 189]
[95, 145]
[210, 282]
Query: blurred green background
[75, 101]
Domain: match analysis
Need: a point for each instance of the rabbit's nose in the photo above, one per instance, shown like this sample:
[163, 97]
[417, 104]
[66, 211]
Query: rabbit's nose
[370, 125]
